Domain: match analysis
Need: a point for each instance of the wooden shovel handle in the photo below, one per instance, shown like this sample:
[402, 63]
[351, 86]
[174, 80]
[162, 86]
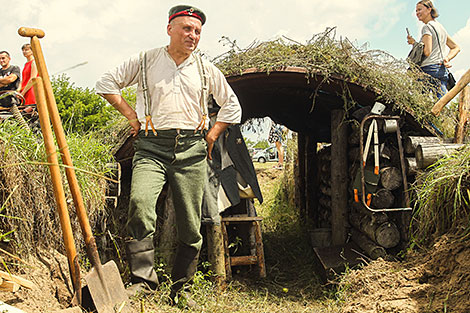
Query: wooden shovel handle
[64, 149]
[59, 192]
[31, 32]
[463, 81]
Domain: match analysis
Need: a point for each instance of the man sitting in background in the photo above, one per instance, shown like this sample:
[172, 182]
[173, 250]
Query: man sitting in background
[9, 79]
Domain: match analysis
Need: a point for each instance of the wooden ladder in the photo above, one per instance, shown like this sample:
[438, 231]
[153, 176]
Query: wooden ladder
[252, 259]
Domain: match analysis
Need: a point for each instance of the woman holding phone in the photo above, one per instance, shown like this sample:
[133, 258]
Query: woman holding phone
[435, 39]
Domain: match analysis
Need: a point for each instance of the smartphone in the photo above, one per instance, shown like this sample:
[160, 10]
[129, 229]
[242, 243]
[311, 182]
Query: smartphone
[408, 31]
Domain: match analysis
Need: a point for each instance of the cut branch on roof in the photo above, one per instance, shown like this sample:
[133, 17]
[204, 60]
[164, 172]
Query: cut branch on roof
[393, 80]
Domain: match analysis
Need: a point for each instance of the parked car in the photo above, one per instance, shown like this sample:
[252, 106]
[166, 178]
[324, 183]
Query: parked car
[254, 151]
[267, 155]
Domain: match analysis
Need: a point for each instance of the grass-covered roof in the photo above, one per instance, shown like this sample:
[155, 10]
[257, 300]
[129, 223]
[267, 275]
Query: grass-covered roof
[325, 54]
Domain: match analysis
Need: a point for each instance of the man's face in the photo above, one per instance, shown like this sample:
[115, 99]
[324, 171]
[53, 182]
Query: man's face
[184, 32]
[4, 60]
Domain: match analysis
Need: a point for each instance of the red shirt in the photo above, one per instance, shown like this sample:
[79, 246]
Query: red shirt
[26, 76]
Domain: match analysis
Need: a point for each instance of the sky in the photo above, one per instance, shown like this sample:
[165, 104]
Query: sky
[101, 34]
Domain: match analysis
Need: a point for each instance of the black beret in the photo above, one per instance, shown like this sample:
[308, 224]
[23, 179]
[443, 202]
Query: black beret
[186, 10]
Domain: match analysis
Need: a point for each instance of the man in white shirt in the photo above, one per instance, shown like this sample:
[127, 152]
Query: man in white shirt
[169, 121]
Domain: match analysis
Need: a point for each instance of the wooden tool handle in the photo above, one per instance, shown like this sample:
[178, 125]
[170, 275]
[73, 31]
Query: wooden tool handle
[463, 81]
[56, 177]
[62, 142]
[31, 32]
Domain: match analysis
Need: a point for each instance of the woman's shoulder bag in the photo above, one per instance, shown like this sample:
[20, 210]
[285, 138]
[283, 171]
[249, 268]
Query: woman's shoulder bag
[416, 54]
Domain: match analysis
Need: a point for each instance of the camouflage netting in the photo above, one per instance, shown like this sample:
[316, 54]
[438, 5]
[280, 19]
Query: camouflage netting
[29, 217]
[327, 56]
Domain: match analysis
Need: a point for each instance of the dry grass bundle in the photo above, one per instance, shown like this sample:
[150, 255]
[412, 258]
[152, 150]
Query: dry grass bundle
[328, 56]
[26, 196]
[443, 197]
[29, 217]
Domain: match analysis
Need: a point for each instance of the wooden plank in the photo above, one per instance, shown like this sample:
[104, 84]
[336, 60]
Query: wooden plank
[8, 308]
[243, 260]
[17, 279]
[228, 268]
[330, 261]
[241, 219]
[9, 285]
[75, 309]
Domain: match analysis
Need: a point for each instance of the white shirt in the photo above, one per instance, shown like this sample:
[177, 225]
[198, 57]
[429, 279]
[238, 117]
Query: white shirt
[175, 91]
[437, 53]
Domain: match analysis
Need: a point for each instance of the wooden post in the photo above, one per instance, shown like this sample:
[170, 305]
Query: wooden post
[311, 180]
[216, 253]
[339, 177]
[301, 183]
[464, 107]
[228, 268]
[259, 249]
[461, 84]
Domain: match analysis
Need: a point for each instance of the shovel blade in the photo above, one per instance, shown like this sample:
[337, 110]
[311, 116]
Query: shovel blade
[107, 293]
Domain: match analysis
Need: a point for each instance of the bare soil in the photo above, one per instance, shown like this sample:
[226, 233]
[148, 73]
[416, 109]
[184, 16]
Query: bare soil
[436, 280]
[52, 291]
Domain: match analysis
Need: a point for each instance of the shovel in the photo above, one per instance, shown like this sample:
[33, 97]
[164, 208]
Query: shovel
[104, 282]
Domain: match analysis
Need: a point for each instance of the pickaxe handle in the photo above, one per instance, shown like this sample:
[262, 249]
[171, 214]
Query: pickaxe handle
[463, 81]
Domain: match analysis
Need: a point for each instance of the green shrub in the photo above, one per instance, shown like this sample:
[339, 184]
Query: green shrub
[80, 109]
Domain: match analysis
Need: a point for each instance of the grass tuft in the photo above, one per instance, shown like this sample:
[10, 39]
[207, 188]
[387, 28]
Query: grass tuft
[442, 203]
[29, 218]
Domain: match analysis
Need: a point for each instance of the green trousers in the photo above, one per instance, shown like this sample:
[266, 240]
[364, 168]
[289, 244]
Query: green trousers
[176, 156]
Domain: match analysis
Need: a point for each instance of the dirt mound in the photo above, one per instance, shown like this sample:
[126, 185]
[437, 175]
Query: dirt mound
[437, 280]
[49, 272]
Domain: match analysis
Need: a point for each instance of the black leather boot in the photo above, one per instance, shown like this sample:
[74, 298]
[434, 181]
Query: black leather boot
[140, 255]
[183, 271]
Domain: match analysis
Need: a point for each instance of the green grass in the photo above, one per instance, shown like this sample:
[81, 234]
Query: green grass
[26, 189]
[291, 284]
[442, 202]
